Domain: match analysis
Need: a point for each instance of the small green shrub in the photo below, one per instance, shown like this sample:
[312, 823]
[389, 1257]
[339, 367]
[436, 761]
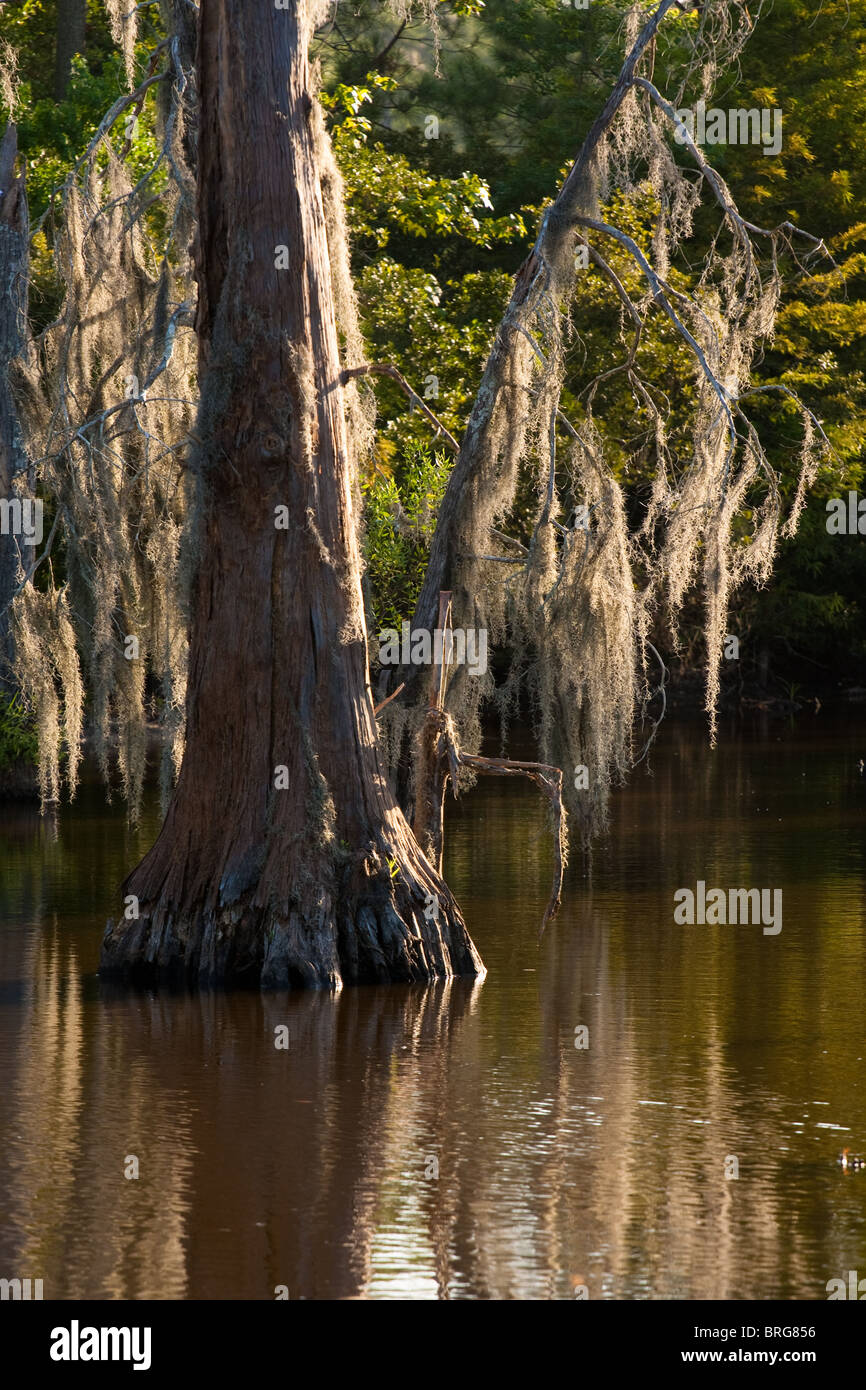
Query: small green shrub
[18, 741]
[400, 519]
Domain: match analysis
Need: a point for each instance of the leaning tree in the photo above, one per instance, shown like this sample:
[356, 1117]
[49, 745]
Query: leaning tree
[302, 840]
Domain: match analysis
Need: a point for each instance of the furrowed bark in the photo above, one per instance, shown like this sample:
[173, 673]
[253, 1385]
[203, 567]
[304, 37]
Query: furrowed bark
[324, 882]
[14, 265]
[71, 33]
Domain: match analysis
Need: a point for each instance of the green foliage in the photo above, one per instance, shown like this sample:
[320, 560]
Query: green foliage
[516, 89]
[438, 335]
[53, 135]
[18, 741]
[810, 61]
[385, 188]
[441, 217]
[400, 519]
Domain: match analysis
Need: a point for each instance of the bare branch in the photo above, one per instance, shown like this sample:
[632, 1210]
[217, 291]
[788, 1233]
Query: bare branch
[387, 369]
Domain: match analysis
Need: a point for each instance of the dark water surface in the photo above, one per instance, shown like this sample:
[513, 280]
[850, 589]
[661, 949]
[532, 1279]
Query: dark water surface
[315, 1167]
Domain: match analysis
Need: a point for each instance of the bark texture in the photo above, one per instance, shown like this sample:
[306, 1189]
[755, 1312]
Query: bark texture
[322, 882]
[14, 263]
[71, 31]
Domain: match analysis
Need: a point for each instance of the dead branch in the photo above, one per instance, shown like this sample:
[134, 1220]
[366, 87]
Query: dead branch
[549, 780]
[387, 369]
[440, 744]
[387, 701]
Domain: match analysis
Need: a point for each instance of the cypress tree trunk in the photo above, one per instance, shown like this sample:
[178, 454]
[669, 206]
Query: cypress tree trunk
[14, 265]
[71, 31]
[308, 875]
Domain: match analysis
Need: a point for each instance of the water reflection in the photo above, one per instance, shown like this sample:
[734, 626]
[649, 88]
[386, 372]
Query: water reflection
[453, 1142]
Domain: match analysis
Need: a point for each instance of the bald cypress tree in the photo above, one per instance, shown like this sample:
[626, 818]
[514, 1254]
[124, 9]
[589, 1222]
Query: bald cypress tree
[284, 857]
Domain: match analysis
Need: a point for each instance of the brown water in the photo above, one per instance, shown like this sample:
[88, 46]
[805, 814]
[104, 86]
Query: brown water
[314, 1167]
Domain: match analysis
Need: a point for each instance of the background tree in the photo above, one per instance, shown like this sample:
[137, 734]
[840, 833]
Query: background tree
[506, 78]
[580, 603]
[71, 30]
